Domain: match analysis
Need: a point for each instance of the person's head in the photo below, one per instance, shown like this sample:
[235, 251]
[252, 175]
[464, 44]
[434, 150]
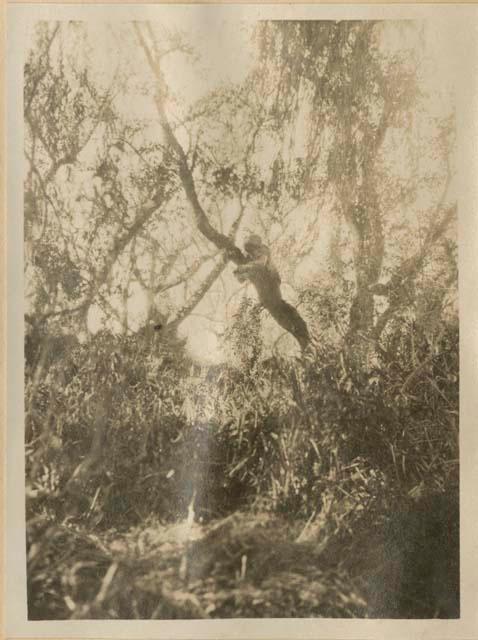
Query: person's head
[253, 245]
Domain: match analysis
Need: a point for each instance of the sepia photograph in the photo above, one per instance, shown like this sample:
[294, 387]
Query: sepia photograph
[241, 319]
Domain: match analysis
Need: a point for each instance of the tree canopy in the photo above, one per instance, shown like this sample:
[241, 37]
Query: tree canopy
[339, 165]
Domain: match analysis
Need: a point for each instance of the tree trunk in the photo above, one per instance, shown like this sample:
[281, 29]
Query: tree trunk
[369, 246]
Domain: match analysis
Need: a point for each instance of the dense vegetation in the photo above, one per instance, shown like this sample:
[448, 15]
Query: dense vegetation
[271, 482]
[308, 483]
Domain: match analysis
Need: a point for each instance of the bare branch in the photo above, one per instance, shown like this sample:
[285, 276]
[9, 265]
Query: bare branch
[44, 55]
[181, 278]
[199, 294]
[411, 267]
[222, 242]
[102, 275]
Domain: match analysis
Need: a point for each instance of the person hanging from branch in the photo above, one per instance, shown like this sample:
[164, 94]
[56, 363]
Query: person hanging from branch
[258, 258]
[255, 265]
[263, 275]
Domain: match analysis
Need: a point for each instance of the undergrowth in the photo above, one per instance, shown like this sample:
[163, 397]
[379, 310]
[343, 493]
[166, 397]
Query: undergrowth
[161, 488]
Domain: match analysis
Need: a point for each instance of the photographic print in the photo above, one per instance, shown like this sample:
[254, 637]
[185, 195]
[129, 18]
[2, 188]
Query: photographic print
[241, 319]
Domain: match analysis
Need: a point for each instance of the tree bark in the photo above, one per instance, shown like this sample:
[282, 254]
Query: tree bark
[368, 259]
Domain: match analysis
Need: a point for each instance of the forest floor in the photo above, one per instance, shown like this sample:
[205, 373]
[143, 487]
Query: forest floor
[249, 564]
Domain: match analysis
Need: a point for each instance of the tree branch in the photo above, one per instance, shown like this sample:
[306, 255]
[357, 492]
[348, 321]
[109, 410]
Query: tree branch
[221, 241]
[411, 267]
[184, 276]
[199, 294]
[101, 276]
[266, 282]
[40, 76]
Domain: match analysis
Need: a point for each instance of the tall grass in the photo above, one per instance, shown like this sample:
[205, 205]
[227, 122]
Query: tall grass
[157, 487]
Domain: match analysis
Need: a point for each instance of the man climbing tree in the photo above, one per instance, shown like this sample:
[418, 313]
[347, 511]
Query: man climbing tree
[262, 273]
[255, 265]
[259, 257]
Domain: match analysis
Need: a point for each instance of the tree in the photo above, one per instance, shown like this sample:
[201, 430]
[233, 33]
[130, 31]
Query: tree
[359, 97]
[266, 285]
[99, 197]
[114, 210]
